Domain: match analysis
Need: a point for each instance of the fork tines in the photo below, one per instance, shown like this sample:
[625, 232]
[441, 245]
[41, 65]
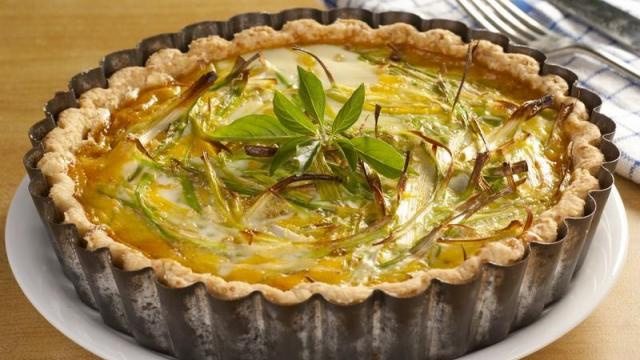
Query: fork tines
[503, 16]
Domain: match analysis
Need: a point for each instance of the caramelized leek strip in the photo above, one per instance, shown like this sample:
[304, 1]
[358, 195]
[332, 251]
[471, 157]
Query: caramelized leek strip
[513, 230]
[280, 185]
[381, 229]
[179, 108]
[269, 199]
[524, 112]
[420, 213]
[419, 247]
[239, 67]
[476, 179]
[145, 160]
[377, 231]
[444, 184]
[238, 91]
[464, 211]
[401, 186]
[517, 167]
[260, 151]
[319, 61]
[467, 65]
[468, 118]
[296, 196]
[562, 115]
[233, 97]
[245, 186]
[373, 180]
[216, 190]
[471, 120]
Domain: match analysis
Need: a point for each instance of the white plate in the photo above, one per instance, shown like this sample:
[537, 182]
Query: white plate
[40, 277]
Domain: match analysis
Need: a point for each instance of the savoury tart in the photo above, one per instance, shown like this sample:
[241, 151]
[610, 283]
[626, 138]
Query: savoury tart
[323, 159]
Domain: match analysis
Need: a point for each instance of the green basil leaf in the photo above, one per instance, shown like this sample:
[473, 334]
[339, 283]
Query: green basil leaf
[381, 156]
[297, 148]
[291, 117]
[349, 152]
[253, 128]
[350, 111]
[312, 94]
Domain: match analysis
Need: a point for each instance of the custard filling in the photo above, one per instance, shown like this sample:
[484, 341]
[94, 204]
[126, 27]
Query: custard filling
[207, 172]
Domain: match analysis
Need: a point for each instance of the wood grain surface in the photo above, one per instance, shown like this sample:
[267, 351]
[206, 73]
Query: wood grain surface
[42, 44]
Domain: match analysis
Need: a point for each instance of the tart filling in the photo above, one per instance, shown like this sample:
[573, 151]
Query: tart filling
[377, 164]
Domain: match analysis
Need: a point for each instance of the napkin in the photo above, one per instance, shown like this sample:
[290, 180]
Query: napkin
[621, 95]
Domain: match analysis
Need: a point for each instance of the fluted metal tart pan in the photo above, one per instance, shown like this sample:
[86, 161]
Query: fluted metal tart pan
[444, 321]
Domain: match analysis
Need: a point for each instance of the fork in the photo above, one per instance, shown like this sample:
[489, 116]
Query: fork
[504, 17]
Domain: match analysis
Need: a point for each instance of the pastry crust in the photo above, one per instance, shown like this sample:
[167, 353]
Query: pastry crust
[96, 105]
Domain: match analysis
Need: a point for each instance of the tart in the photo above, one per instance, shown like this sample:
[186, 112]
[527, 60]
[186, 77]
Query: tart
[323, 159]
[315, 184]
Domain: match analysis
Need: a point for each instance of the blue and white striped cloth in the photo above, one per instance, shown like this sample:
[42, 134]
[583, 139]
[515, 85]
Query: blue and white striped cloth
[621, 95]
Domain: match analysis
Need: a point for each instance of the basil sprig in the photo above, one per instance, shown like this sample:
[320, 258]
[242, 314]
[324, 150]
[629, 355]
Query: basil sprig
[301, 133]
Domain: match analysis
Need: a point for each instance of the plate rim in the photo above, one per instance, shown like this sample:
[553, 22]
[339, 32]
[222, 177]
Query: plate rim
[21, 194]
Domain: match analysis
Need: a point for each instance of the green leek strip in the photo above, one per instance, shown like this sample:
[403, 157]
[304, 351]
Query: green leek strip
[121, 200]
[156, 220]
[492, 120]
[146, 162]
[341, 94]
[174, 133]
[465, 210]
[238, 67]
[234, 97]
[443, 185]
[135, 174]
[283, 79]
[300, 198]
[188, 190]
[418, 248]
[240, 187]
[424, 210]
[189, 194]
[151, 216]
[375, 232]
[329, 191]
[403, 67]
[215, 188]
[181, 107]
[245, 186]
[504, 133]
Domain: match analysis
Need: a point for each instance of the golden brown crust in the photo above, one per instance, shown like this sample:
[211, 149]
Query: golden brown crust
[168, 64]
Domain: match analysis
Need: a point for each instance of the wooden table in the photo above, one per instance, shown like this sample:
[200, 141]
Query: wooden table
[44, 43]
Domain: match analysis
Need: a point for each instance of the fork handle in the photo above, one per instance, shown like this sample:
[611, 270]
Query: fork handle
[605, 57]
